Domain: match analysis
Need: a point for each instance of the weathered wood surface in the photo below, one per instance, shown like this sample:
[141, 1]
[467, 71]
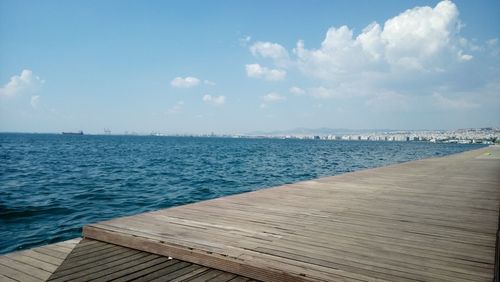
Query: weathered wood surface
[93, 260]
[426, 220]
[35, 264]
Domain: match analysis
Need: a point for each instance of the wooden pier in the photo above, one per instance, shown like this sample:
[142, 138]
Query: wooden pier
[428, 220]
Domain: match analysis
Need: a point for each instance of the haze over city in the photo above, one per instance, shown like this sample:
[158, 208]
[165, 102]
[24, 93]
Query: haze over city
[235, 66]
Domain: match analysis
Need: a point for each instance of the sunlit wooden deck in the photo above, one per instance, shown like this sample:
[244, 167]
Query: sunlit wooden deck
[86, 260]
[427, 220]
[36, 264]
[98, 261]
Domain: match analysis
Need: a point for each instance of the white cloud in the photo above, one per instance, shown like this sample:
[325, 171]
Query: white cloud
[214, 100]
[35, 101]
[340, 91]
[176, 109]
[257, 71]
[185, 82]
[297, 90]
[464, 57]
[423, 39]
[271, 97]
[189, 81]
[421, 33]
[343, 90]
[457, 103]
[26, 82]
[269, 50]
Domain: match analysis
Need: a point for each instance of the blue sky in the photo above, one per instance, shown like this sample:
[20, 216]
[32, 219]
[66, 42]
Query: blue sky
[241, 66]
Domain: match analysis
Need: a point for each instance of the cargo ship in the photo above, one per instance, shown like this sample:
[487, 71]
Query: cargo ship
[73, 133]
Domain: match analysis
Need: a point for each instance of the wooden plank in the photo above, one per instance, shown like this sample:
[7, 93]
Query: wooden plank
[24, 259]
[77, 268]
[60, 249]
[130, 267]
[51, 252]
[25, 268]
[190, 275]
[17, 275]
[209, 276]
[240, 279]
[100, 253]
[93, 250]
[180, 272]
[43, 257]
[224, 277]
[87, 245]
[4, 278]
[165, 271]
[150, 269]
[86, 262]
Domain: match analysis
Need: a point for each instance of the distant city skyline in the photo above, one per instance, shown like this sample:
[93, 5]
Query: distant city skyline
[238, 67]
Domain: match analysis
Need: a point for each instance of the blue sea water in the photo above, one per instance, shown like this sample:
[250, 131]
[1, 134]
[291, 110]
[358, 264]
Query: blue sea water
[51, 185]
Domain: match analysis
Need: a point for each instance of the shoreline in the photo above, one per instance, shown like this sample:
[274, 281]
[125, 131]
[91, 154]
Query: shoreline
[402, 138]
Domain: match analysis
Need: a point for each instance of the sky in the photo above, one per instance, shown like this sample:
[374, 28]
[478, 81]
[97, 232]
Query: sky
[242, 66]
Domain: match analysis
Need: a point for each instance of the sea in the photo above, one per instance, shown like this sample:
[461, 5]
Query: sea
[52, 184]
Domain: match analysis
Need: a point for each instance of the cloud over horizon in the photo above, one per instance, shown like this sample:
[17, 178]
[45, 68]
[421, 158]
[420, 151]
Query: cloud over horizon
[417, 53]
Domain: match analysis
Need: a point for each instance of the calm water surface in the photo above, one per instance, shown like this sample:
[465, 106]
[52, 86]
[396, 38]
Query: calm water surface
[52, 185]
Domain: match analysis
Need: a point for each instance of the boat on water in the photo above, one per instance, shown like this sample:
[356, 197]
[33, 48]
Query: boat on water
[73, 133]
